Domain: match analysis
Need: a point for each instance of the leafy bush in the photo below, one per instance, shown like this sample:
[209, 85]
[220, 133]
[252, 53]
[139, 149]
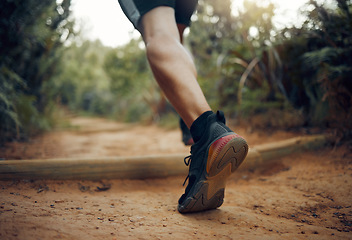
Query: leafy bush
[31, 35]
[318, 61]
[302, 72]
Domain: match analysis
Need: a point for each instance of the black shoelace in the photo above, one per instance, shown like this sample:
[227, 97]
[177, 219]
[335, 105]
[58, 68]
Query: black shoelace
[187, 160]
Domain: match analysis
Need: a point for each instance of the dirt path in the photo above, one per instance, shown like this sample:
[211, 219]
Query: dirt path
[302, 196]
[89, 137]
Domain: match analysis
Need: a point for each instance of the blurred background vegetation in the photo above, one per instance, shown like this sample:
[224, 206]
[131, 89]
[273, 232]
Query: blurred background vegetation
[279, 78]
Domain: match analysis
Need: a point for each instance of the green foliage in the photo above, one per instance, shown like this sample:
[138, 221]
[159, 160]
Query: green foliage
[31, 34]
[131, 82]
[127, 68]
[299, 76]
[30, 116]
[330, 60]
[318, 62]
[240, 60]
[10, 123]
[261, 70]
[211, 34]
[115, 83]
[82, 83]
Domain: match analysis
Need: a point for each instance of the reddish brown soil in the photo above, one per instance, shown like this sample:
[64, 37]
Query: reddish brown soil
[301, 196]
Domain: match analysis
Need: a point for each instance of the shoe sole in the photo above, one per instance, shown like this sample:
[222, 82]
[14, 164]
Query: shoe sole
[225, 155]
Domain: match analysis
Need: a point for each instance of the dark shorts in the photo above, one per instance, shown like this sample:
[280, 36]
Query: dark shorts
[135, 9]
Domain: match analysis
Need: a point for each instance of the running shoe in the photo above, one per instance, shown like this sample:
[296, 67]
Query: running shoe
[213, 158]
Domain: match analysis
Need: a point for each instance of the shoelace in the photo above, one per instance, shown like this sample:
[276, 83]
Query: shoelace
[187, 160]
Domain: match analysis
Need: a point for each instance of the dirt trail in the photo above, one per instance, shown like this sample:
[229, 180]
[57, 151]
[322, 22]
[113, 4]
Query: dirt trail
[302, 196]
[89, 137]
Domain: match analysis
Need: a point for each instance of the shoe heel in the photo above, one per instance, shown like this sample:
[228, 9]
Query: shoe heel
[230, 149]
[225, 156]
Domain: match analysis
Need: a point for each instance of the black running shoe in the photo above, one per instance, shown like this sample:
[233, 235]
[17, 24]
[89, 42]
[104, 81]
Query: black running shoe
[213, 158]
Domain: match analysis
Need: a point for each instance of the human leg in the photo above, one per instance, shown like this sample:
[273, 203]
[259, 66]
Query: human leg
[217, 151]
[171, 64]
[187, 138]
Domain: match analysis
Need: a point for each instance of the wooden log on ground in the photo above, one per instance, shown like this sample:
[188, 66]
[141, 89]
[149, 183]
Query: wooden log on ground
[141, 167]
[265, 153]
[94, 169]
